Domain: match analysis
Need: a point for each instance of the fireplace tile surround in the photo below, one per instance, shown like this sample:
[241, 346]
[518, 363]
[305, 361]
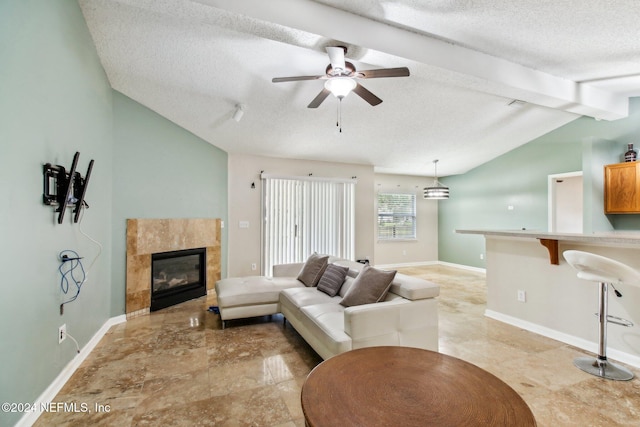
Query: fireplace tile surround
[147, 236]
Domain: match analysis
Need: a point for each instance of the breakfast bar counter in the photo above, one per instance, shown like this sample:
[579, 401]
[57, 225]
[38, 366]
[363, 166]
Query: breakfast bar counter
[613, 237]
[530, 285]
[550, 239]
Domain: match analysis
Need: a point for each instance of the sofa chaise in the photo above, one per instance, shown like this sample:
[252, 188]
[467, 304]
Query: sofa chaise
[338, 319]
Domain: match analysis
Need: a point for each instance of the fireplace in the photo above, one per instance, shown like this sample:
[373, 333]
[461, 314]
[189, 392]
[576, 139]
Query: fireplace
[177, 276]
[147, 236]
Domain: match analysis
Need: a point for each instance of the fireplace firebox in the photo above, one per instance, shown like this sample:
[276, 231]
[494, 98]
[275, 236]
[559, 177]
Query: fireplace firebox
[177, 276]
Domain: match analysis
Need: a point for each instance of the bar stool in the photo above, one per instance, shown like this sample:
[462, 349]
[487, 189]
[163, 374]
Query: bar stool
[605, 271]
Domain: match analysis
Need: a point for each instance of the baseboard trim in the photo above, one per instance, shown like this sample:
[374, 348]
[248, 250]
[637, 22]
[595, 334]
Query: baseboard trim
[464, 267]
[407, 264]
[581, 343]
[54, 388]
[426, 263]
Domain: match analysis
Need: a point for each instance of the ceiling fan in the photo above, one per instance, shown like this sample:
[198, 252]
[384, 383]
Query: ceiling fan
[341, 76]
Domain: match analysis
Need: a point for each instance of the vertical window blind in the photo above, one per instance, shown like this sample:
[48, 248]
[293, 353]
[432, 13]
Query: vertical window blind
[396, 216]
[305, 215]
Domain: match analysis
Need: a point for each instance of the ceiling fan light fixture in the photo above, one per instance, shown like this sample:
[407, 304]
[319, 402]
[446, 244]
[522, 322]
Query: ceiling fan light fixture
[437, 191]
[340, 86]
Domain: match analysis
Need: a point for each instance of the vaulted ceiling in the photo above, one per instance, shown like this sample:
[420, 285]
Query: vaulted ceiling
[193, 61]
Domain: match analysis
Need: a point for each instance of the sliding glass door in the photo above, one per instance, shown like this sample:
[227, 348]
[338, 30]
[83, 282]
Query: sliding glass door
[305, 215]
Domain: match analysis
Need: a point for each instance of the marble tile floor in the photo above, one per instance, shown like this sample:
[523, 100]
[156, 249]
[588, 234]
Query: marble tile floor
[177, 367]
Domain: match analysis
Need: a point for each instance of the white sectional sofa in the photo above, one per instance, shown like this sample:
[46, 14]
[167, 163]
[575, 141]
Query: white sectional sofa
[407, 316]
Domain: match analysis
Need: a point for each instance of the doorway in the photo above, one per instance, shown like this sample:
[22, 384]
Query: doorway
[565, 203]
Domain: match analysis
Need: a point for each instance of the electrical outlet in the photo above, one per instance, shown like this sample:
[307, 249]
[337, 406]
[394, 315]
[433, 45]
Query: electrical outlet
[522, 296]
[481, 256]
[254, 266]
[62, 333]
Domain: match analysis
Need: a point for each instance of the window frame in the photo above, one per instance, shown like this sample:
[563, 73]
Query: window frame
[410, 213]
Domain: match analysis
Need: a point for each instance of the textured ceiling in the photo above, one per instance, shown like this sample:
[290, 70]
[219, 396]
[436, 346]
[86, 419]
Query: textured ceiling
[194, 61]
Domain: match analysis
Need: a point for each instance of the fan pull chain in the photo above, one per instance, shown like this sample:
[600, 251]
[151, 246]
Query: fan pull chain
[339, 118]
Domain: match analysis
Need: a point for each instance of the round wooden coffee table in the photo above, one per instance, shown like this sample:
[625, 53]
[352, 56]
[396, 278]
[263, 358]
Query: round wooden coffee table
[404, 386]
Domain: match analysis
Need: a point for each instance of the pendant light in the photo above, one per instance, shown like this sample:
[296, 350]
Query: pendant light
[437, 191]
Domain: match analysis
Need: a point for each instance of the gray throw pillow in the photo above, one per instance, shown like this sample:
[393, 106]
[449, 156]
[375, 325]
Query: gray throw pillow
[313, 269]
[370, 286]
[332, 279]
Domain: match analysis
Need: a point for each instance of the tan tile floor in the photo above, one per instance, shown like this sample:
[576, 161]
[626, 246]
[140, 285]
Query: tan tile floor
[177, 367]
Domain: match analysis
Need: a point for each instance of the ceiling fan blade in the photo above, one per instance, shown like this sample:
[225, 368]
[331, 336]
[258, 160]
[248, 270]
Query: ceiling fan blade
[319, 98]
[384, 72]
[296, 78]
[365, 94]
[336, 57]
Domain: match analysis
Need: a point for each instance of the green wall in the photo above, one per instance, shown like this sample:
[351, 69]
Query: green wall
[160, 171]
[480, 197]
[54, 100]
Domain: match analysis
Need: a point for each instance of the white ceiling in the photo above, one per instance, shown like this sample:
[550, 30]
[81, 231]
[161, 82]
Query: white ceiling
[193, 61]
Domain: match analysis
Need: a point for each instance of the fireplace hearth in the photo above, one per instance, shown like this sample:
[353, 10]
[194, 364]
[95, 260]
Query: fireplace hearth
[177, 276]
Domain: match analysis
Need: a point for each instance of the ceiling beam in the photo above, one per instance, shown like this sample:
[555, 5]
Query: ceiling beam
[471, 69]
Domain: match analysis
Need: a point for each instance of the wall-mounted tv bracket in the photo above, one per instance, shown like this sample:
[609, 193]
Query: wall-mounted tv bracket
[64, 189]
[79, 191]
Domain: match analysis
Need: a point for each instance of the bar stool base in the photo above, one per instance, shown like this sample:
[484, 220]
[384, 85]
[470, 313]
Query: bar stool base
[603, 369]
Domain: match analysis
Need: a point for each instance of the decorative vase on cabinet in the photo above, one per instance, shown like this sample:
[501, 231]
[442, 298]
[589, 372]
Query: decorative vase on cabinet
[630, 155]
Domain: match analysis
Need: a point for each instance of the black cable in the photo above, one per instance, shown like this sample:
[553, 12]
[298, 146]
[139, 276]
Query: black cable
[73, 261]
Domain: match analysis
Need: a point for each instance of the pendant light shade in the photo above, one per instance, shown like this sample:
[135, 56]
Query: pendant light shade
[437, 191]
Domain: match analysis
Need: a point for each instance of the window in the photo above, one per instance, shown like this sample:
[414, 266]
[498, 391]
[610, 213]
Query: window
[396, 216]
[305, 215]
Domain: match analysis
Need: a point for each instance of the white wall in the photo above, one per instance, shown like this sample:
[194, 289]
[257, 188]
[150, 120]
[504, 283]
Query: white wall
[245, 204]
[425, 247]
[557, 300]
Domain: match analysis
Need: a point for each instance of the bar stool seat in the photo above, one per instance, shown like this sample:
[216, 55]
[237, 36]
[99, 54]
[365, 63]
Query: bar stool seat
[605, 271]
